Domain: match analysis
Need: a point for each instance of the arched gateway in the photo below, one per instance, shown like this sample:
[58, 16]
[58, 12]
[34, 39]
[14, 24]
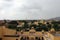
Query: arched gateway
[32, 35]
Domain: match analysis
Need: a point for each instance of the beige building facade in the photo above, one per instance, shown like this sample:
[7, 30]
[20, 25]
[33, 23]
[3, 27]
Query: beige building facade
[10, 34]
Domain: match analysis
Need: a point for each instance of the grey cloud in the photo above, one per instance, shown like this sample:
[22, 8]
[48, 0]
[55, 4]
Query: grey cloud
[36, 9]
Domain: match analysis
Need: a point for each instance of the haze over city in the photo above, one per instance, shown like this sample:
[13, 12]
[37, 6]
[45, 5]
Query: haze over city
[29, 9]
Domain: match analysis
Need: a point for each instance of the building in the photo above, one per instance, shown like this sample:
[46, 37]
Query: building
[32, 34]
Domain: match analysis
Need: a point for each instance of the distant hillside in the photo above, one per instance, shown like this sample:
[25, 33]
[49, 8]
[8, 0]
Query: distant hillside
[57, 18]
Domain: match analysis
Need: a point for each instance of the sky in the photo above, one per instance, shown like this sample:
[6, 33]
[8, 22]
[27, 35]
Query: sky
[29, 9]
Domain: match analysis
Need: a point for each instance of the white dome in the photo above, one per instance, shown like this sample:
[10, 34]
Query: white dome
[32, 30]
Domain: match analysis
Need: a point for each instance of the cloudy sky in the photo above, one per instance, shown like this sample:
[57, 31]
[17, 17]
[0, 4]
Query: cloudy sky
[29, 9]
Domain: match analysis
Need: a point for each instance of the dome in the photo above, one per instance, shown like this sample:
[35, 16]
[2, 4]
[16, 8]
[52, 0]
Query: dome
[32, 30]
[42, 30]
[52, 30]
[21, 31]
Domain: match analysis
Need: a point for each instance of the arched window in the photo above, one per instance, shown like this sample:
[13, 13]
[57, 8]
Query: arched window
[0, 38]
[42, 38]
[27, 38]
[21, 38]
[37, 38]
[16, 39]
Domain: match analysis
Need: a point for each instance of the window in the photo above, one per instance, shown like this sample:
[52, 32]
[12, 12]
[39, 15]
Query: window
[16, 39]
[0, 38]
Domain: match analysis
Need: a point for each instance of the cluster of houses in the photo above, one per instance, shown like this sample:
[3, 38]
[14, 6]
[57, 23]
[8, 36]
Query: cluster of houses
[12, 34]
